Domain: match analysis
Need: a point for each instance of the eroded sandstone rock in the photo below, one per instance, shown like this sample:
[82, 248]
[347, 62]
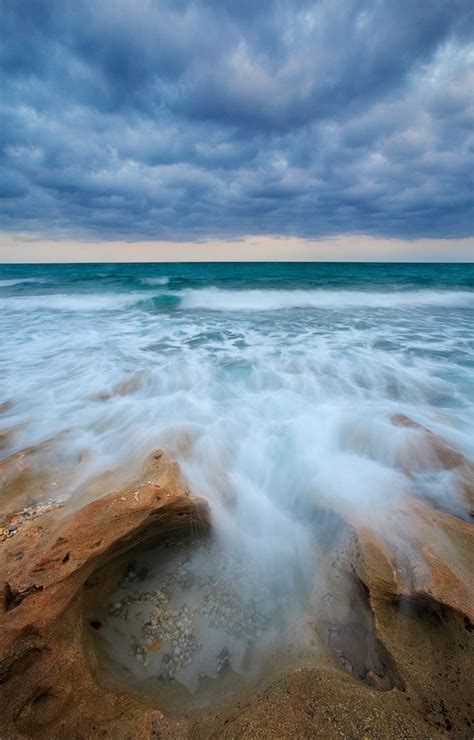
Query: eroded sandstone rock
[403, 678]
[425, 554]
[49, 569]
[416, 562]
[413, 549]
[428, 449]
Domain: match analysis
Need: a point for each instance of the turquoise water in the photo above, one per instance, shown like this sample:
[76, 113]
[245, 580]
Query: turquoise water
[270, 383]
[402, 276]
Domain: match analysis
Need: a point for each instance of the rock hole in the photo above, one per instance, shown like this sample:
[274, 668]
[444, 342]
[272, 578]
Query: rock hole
[65, 558]
[41, 698]
[193, 622]
[21, 664]
[13, 598]
[419, 606]
[95, 624]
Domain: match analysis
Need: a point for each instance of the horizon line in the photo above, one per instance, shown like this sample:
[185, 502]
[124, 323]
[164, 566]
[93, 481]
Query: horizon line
[242, 261]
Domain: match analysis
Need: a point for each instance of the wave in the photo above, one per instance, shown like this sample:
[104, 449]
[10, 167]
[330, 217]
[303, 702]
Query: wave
[155, 280]
[216, 299]
[74, 302]
[17, 281]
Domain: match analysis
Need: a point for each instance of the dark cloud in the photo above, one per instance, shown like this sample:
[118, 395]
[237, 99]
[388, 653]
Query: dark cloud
[185, 119]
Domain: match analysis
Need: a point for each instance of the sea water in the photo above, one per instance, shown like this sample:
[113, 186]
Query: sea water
[270, 383]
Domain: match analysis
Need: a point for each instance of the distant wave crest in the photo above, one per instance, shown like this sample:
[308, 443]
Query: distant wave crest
[73, 302]
[9, 283]
[216, 299]
[155, 280]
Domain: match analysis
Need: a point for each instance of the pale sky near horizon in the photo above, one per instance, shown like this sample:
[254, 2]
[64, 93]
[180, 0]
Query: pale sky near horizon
[257, 248]
[172, 130]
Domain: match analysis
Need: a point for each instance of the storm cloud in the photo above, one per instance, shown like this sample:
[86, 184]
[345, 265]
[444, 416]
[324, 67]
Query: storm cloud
[187, 120]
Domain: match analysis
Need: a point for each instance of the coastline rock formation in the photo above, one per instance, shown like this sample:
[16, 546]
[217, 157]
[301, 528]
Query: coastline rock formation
[50, 568]
[428, 447]
[392, 609]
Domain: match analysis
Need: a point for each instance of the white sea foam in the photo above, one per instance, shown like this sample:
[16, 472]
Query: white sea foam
[216, 299]
[8, 283]
[155, 280]
[71, 302]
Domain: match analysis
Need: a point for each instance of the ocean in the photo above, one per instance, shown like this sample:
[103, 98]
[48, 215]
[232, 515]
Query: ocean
[260, 356]
[268, 382]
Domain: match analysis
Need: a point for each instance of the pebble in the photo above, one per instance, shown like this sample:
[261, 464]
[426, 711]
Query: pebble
[32, 511]
[172, 632]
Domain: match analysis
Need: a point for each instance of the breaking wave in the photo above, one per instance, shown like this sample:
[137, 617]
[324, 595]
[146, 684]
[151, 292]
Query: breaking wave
[71, 302]
[216, 299]
[18, 281]
[155, 280]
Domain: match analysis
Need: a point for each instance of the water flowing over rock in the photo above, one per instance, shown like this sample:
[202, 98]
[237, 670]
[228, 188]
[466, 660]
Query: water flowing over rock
[391, 613]
[440, 455]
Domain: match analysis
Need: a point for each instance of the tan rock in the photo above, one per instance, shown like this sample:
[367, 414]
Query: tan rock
[441, 455]
[60, 568]
[422, 553]
[50, 571]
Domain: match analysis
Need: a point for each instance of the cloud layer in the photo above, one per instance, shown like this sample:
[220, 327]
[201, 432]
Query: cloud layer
[201, 119]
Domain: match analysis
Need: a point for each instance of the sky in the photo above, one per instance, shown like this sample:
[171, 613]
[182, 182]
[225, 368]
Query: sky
[236, 129]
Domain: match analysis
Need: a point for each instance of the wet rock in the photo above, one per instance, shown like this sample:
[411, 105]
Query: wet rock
[31, 474]
[191, 628]
[126, 387]
[135, 574]
[6, 406]
[57, 576]
[33, 511]
[428, 450]
[425, 554]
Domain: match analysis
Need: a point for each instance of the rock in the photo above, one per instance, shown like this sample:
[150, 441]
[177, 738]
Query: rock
[30, 474]
[390, 672]
[6, 406]
[446, 455]
[415, 561]
[68, 568]
[30, 512]
[418, 575]
[7, 437]
[417, 551]
[424, 554]
[130, 385]
[428, 448]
